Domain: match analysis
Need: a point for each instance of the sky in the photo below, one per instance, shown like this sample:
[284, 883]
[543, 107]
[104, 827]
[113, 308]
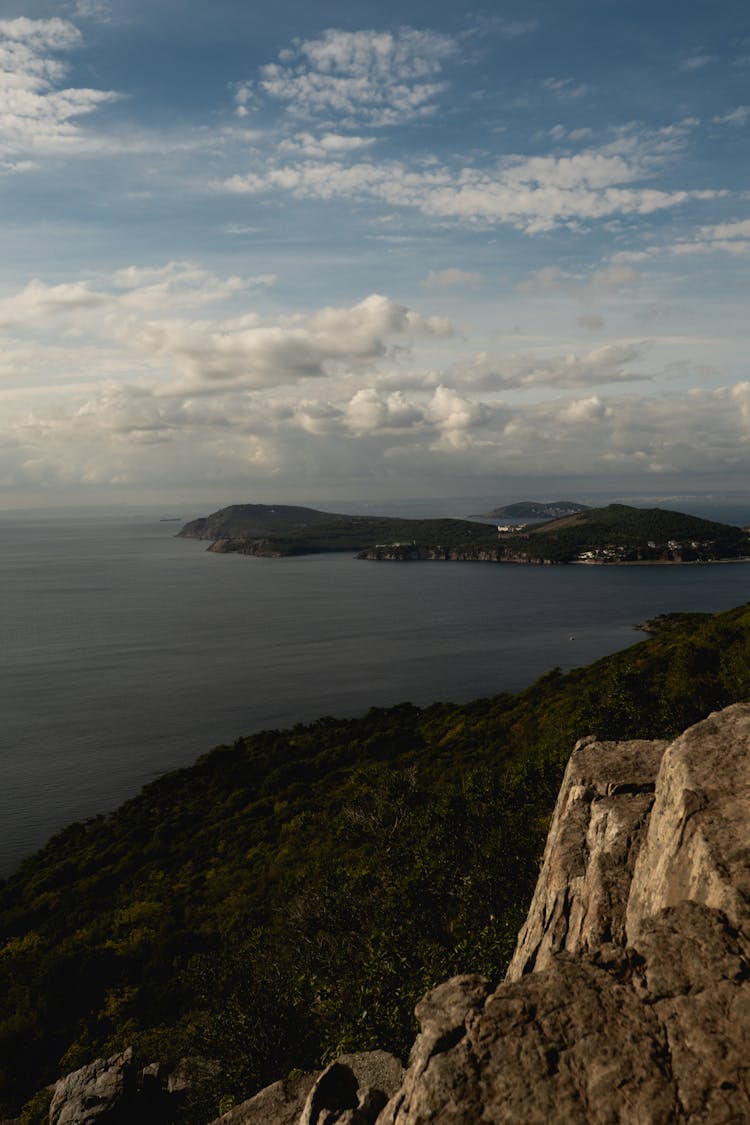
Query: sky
[354, 251]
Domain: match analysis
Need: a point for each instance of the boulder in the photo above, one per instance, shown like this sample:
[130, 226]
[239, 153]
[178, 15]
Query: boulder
[280, 1104]
[351, 1091]
[98, 1092]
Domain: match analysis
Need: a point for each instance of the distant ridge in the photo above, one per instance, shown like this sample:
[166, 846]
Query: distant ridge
[535, 509]
[248, 520]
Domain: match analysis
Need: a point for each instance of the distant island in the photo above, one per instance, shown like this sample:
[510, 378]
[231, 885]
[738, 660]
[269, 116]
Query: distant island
[534, 510]
[616, 534]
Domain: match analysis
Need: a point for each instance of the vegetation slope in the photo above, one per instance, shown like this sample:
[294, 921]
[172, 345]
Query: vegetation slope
[292, 895]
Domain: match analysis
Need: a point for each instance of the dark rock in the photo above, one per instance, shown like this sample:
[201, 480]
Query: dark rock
[353, 1090]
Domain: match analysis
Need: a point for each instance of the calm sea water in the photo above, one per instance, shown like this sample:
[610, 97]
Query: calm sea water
[127, 652]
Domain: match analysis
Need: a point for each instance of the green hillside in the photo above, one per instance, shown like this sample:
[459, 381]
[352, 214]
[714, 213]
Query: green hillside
[292, 895]
[640, 533]
[263, 529]
[632, 534]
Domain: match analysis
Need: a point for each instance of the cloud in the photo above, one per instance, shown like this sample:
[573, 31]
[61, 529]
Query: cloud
[603, 365]
[591, 409]
[603, 282]
[368, 411]
[566, 89]
[612, 279]
[632, 255]
[37, 113]
[696, 61]
[146, 381]
[738, 116]
[484, 25]
[548, 279]
[724, 238]
[448, 278]
[243, 93]
[724, 231]
[127, 432]
[327, 144]
[134, 290]
[144, 312]
[97, 10]
[376, 78]
[592, 321]
[119, 434]
[561, 132]
[533, 193]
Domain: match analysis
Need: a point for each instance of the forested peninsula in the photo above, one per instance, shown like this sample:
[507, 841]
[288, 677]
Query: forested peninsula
[292, 895]
[614, 534]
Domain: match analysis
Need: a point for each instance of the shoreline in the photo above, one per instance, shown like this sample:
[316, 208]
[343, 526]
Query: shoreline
[655, 562]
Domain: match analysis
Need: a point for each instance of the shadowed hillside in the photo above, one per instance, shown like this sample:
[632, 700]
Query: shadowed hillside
[291, 896]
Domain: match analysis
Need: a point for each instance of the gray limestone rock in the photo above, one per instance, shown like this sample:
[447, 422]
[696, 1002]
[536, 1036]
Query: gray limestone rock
[698, 841]
[596, 831]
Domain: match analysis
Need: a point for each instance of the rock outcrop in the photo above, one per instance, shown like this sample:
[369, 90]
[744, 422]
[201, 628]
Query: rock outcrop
[115, 1091]
[628, 998]
[582, 893]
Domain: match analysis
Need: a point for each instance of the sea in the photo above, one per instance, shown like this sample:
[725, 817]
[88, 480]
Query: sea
[128, 652]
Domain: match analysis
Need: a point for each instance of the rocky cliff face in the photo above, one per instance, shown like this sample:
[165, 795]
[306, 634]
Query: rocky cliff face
[628, 998]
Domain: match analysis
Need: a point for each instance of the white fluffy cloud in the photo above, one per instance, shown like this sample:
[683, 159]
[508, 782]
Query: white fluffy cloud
[146, 313]
[371, 77]
[37, 112]
[174, 286]
[147, 382]
[533, 193]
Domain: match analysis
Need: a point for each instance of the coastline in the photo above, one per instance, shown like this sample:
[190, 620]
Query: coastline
[656, 562]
